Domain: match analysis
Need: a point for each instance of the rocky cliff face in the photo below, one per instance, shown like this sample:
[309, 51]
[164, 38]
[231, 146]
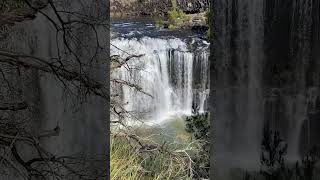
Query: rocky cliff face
[155, 7]
[139, 7]
[265, 74]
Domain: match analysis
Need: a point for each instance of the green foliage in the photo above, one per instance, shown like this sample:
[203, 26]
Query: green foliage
[199, 126]
[175, 15]
[177, 18]
[208, 17]
[171, 26]
[159, 23]
[174, 4]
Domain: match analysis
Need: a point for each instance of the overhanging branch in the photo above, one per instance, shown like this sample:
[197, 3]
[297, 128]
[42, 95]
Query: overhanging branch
[43, 65]
[17, 106]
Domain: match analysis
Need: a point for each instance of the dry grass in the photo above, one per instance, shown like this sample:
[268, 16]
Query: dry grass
[130, 161]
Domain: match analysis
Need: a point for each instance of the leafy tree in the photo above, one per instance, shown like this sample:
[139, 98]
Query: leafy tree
[199, 125]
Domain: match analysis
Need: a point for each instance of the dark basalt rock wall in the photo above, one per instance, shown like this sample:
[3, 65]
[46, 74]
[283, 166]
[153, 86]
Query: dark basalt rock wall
[265, 73]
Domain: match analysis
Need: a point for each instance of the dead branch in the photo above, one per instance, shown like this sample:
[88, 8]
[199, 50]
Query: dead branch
[136, 87]
[13, 106]
[117, 62]
[43, 65]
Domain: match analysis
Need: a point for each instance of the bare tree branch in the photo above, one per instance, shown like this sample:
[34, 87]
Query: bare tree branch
[13, 106]
[117, 62]
[43, 65]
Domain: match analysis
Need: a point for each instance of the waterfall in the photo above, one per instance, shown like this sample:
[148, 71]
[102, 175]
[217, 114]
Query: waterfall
[266, 60]
[201, 80]
[165, 71]
[237, 82]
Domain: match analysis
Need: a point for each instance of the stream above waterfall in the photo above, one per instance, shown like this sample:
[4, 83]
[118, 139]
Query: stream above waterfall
[171, 75]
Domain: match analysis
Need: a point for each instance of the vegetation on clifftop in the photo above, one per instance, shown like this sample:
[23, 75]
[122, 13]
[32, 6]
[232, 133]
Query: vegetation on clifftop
[177, 18]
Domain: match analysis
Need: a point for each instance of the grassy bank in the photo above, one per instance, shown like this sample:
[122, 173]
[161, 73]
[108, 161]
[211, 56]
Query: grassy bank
[172, 151]
[129, 161]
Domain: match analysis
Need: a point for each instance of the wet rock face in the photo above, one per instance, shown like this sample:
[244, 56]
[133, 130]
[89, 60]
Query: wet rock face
[310, 133]
[292, 66]
[266, 72]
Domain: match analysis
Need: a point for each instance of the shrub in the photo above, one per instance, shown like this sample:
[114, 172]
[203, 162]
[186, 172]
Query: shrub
[208, 19]
[199, 125]
[159, 23]
[175, 15]
[171, 26]
[174, 4]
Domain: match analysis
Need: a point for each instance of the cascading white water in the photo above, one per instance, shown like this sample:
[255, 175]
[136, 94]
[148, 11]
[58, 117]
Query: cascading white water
[265, 79]
[165, 71]
[201, 92]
